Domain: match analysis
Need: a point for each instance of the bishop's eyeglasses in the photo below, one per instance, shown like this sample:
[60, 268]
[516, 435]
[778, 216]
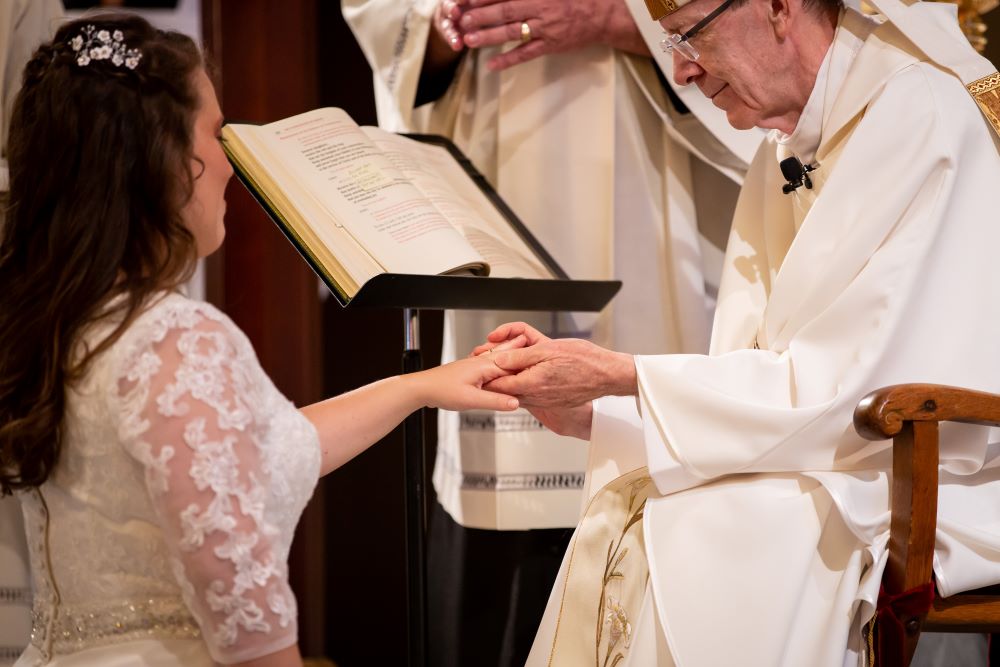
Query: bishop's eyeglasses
[682, 43]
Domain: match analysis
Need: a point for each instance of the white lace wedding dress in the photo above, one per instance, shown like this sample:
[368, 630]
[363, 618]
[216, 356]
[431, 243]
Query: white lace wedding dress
[162, 536]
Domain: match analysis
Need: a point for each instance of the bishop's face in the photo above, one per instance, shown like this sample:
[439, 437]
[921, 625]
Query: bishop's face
[744, 62]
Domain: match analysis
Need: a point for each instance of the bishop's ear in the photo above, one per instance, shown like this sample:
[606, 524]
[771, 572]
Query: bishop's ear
[778, 15]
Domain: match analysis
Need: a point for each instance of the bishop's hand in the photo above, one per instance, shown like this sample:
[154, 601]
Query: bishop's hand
[561, 373]
[575, 421]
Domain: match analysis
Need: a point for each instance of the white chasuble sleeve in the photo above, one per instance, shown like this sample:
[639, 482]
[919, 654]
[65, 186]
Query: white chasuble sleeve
[616, 444]
[189, 417]
[888, 280]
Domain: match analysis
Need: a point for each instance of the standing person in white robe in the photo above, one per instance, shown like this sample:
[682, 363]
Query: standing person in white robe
[735, 516]
[577, 131]
[24, 24]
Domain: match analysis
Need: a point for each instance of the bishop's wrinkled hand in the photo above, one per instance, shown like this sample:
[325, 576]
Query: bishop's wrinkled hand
[560, 373]
[575, 421]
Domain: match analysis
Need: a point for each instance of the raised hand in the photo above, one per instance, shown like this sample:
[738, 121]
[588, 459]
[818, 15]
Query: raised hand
[553, 26]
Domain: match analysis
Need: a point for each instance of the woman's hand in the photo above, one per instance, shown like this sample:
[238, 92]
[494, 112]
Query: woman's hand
[510, 336]
[459, 386]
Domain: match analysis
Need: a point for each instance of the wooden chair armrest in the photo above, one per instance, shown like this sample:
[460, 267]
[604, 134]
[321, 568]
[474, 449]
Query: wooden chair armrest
[909, 414]
[880, 414]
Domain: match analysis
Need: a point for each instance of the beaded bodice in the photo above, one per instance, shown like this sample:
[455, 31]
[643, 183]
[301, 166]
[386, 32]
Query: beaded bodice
[171, 511]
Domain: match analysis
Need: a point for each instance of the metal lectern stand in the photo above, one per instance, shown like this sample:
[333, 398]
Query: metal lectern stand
[415, 474]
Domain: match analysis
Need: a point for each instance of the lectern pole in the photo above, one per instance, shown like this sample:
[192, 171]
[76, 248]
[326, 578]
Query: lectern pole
[413, 448]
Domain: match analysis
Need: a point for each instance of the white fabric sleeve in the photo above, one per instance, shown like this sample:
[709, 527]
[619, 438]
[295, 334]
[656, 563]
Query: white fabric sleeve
[616, 446]
[189, 420]
[621, 441]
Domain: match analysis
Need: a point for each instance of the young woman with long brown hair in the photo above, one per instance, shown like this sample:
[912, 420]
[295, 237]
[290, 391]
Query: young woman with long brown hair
[160, 471]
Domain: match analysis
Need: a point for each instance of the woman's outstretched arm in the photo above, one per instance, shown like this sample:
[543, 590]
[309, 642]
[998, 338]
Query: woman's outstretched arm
[350, 423]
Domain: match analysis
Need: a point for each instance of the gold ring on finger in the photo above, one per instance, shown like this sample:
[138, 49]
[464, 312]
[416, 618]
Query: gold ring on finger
[525, 32]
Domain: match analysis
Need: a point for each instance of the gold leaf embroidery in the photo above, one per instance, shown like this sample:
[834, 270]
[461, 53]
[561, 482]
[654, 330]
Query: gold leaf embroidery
[611, 613]
[986, 92]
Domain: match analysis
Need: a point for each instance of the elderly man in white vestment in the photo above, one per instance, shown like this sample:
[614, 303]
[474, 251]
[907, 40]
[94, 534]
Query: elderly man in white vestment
[24, 24]
[563, 109]
[735, 516]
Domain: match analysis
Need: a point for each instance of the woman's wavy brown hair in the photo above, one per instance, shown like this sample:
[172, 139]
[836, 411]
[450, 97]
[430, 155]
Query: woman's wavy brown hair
[100, 170]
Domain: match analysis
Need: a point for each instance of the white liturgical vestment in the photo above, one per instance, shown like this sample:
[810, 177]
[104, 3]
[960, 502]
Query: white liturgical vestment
[587, 148]
[764, 537]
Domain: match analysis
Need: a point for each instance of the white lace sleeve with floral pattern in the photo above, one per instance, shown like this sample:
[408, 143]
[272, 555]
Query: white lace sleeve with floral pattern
[229, 465]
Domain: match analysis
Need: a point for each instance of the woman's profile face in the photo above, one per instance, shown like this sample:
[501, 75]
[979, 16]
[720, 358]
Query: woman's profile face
[204, 213]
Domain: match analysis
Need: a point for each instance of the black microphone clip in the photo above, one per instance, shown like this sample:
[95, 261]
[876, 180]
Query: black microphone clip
[796, 173]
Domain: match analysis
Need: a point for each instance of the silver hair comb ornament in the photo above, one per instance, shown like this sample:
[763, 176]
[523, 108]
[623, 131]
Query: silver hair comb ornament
[94, 44]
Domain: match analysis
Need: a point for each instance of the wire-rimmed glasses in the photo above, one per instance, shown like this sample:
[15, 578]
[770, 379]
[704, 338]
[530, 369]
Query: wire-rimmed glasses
[682, 43]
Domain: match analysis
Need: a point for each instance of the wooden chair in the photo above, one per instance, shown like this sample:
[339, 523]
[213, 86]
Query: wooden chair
[909, 414]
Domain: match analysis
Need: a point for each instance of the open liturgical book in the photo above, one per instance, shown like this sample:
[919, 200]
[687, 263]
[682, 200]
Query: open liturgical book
[360, 201]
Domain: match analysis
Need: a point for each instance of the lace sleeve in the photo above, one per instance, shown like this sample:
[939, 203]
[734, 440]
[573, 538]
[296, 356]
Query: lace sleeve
[188, 400]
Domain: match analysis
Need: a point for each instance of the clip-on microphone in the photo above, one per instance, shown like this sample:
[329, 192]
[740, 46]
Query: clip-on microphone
[796, 173]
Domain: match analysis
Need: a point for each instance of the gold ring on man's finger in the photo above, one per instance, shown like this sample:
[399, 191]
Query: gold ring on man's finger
[525, 32]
